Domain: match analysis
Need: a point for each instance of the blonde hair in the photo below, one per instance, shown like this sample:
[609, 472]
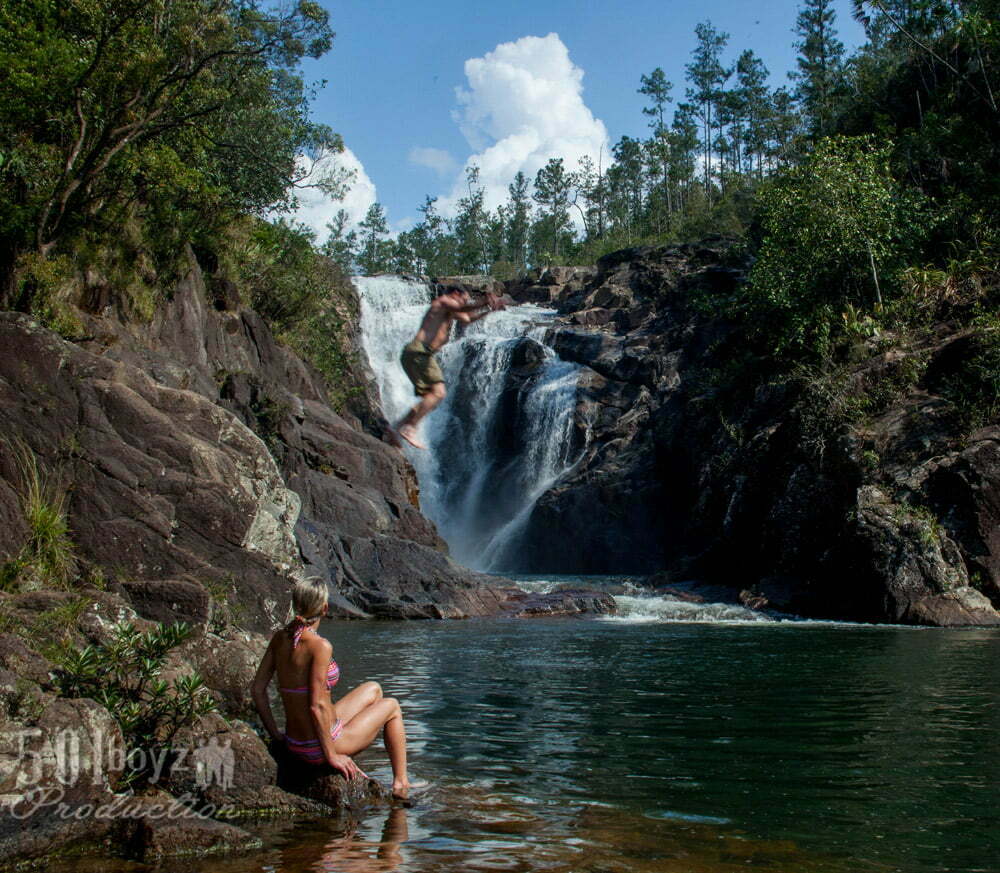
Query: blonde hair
[309, 596]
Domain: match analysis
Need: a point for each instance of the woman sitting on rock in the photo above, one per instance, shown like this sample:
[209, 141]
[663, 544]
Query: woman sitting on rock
[317, 731]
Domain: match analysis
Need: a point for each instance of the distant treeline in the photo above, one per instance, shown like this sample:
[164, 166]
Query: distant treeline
[135, 131]
[925, 84]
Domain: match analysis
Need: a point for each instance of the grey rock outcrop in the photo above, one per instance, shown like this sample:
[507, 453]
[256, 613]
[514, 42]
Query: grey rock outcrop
[202, 455]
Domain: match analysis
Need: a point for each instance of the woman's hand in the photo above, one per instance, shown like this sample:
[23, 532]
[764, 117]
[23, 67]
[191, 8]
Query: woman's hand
[346, 765]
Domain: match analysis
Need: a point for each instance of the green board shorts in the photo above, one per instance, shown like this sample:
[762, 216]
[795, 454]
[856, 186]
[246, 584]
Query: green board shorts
[421, 367]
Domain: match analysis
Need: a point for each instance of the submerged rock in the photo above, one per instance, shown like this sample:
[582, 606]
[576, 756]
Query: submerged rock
[158, 826]
[566, 601]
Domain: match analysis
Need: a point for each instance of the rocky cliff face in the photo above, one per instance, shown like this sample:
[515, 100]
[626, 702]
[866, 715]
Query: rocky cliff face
[893, 517]
[197, 448]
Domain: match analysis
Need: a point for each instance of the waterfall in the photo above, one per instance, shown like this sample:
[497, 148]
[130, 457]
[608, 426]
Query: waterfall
[501, 438]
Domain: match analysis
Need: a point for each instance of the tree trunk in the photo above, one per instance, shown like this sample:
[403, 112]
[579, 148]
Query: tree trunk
[878, 290]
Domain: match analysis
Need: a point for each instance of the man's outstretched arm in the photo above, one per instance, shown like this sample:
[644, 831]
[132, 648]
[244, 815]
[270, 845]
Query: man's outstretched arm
[469, 317]
[491, 302]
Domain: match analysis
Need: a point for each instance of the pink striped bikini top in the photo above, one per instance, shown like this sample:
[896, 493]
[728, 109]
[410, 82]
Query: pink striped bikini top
[332, 670]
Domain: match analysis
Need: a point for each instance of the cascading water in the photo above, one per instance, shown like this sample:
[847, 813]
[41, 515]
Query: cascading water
[504, 434]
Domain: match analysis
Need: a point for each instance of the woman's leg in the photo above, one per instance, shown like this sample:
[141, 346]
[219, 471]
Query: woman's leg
[358, 699]
[360, 731]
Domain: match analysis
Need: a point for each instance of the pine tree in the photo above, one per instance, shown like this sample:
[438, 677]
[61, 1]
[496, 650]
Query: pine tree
[707, 77]
[751, 85]
[592, 196]
[374, 254]
[820, 75]
[518, 222]
[552, 192]
[626, 180]
[341, 245]
[656, 87]
[469, 225]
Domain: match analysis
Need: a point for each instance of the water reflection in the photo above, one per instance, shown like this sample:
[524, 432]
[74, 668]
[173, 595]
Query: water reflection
[357, 850]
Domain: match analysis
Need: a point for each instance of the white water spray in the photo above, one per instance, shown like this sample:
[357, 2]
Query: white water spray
[502, 437]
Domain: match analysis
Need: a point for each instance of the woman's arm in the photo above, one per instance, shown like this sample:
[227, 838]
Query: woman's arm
[321, 709]
[258, 690]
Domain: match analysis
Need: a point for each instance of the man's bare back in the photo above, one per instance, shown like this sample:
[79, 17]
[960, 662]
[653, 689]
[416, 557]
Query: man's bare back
[435, 329]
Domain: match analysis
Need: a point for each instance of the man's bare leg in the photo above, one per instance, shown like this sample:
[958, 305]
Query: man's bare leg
[407, 428]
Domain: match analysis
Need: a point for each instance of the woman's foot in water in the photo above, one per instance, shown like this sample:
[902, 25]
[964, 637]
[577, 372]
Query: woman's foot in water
[403, 788]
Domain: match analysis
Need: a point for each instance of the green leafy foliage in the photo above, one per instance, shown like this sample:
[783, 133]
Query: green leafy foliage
[304, 295]
[838, 230]
[125, 676]
[184, 111]
[974, 388]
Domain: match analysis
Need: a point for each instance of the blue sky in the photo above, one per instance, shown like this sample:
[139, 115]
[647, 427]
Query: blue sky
[395, 66]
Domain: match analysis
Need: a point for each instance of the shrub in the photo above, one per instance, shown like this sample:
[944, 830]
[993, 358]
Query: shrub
[124, 676]
[837, 231]
[974, 388]
[303, 295]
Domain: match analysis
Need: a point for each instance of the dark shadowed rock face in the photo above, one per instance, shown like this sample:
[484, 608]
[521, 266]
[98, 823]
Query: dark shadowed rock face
[744, 497]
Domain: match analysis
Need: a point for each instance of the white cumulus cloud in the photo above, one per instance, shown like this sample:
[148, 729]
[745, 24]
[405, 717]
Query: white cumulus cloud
[316, 209]
[523, 105]
[435, 159]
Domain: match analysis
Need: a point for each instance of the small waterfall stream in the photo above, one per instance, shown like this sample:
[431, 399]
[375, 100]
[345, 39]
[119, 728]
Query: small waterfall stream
[504, 434]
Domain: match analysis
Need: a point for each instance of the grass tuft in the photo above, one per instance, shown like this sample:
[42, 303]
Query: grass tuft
[48, 558]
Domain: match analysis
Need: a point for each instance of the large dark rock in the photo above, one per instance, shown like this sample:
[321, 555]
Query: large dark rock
[564, 602]
[697, 464]
[326, 786]
[227, 663]
[226, 768]
[65, 754]
[169, 600]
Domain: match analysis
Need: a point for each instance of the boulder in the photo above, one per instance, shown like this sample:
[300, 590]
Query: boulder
[564, 602]
[227, 664]
[326, 786]
[163, 480]
[964, 489]
[468, 284]
[156, 826]
[169, 600]
[920, 567]
[58, 764]
[27, 664]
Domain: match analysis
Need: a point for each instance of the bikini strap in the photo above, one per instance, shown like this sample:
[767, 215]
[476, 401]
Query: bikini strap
[298, 626]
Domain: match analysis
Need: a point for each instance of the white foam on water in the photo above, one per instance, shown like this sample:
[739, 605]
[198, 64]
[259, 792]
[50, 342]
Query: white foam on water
[638, 610]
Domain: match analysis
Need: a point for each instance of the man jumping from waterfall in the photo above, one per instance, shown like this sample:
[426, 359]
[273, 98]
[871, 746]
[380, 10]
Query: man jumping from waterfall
[418, 359]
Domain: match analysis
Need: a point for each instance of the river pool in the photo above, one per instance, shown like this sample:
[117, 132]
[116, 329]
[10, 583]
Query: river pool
[644, 744]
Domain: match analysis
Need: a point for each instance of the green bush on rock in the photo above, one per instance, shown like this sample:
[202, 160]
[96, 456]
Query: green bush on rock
[124, 676]
[837, 230]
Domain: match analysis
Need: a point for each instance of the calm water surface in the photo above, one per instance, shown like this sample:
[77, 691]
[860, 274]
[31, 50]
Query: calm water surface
[617, 745]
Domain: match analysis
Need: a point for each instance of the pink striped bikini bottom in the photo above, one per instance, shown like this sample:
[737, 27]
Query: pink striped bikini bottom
[311, 751]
